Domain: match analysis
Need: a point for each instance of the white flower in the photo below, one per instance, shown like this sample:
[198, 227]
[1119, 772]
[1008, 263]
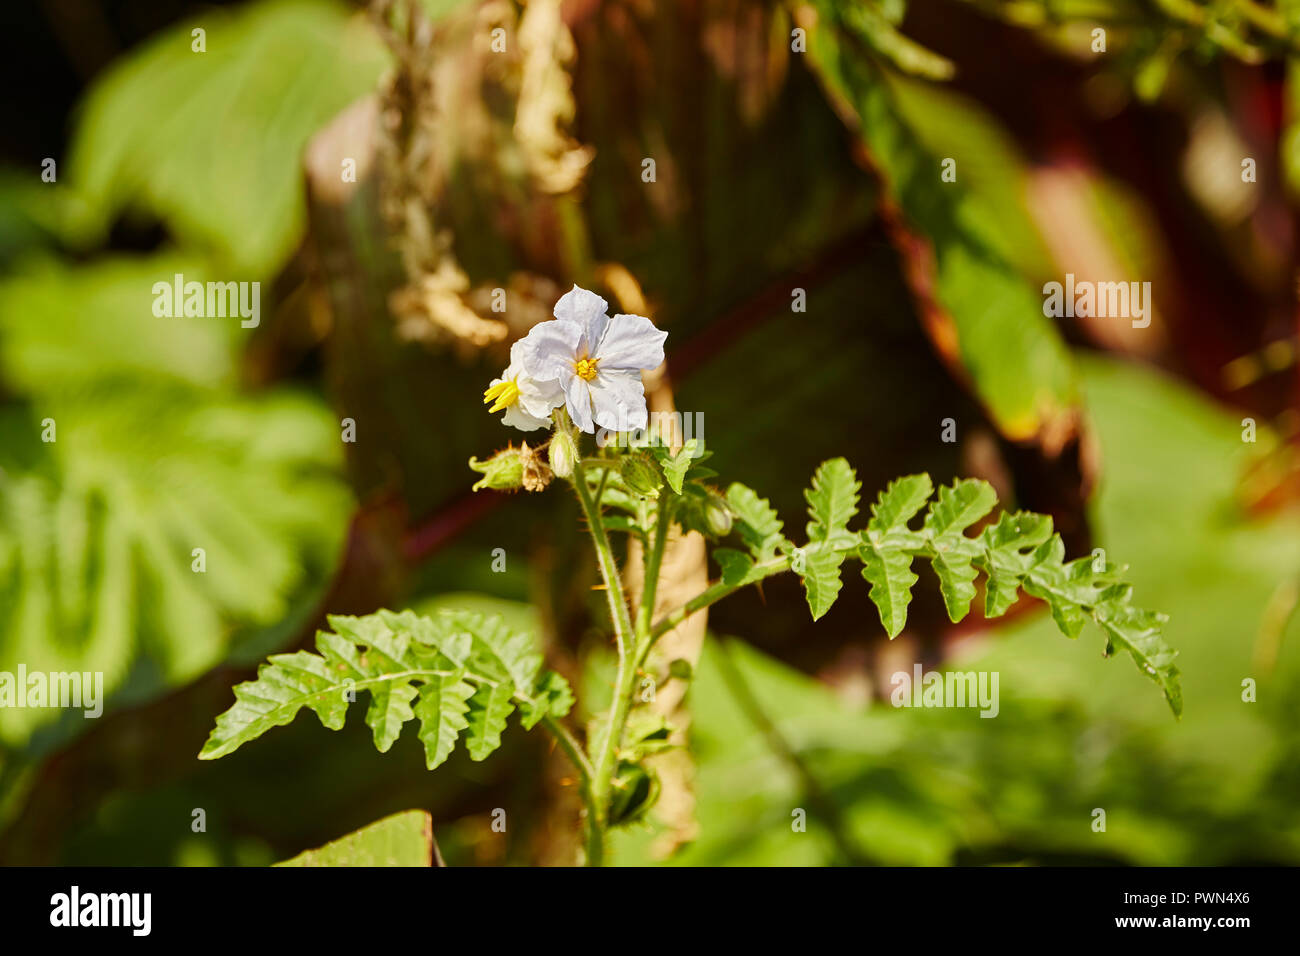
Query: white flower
[596, 360]
[527, 401]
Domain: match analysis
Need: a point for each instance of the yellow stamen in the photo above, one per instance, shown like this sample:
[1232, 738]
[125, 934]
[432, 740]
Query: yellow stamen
[501, 395]
[585, 368]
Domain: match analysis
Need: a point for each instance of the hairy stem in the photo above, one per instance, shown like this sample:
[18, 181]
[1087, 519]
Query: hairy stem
[714, 593]
[618, 611]
[603, 749]
[653, 562]
[572, 749]
[634, 643]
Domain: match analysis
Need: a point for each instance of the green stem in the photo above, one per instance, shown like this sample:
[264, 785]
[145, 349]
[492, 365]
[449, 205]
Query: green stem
[714, 593]
[633, 644]
[653, 561]
[599, 497]
[603, 770]
[573, 750]
[603, 775]
[630, 664]
[595, 840]
[618, 612]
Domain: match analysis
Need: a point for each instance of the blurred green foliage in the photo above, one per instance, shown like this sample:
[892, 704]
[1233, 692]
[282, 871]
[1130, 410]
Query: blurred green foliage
[211, 144]
[152, 448]
[404, 839]
[969, 287]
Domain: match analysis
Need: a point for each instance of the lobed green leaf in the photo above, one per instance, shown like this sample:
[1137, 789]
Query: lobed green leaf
[821, 579]
[1017, 552]
[832, 500]
[458, 672]
[758, 524]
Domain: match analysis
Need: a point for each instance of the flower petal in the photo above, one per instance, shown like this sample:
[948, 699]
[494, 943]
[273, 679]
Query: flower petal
[549, 350]
[539, 399]
[618, 399]
[587, 310]
[631, 342]
[520, 354]
[517, 417]
[577, 398]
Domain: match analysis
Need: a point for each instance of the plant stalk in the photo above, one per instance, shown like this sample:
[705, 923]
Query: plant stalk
[633, 644]
[603, 768]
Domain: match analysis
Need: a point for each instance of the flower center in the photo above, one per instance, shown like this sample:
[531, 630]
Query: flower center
[585, 368]
[501, 395]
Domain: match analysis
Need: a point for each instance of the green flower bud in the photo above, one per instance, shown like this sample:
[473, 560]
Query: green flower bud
[563, 452]
[640, 475]
[504, 471]
[718, 515]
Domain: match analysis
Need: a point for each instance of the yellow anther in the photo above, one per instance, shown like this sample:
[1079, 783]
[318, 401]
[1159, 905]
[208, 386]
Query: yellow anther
[585, 368]
[501, 395]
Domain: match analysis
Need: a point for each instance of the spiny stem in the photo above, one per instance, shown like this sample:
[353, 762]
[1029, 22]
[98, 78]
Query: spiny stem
[574, 751]
[603, 770]
[633, 644]
[605, 559]
[715, 593]
[653, 562]
[595, 840]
